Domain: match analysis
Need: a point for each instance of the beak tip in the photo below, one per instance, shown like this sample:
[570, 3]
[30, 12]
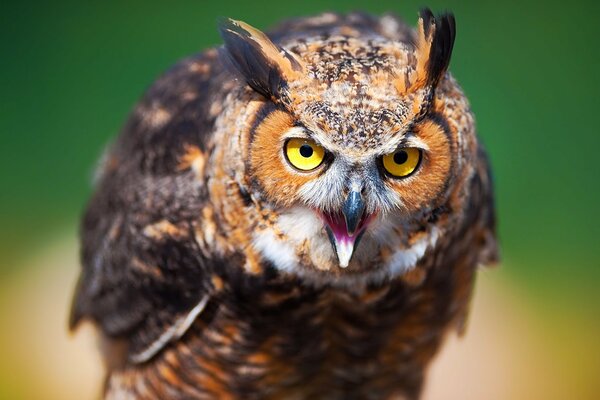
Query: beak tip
[344, 251]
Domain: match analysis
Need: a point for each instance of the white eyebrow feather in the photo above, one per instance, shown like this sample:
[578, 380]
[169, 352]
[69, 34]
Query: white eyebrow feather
[414, 141]
[295, 132]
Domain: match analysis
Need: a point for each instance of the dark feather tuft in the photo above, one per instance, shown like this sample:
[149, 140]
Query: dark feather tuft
[441, 43]
[428, 20]
[248, 59]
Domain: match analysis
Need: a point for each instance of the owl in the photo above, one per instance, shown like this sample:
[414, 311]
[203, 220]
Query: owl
[296, 215]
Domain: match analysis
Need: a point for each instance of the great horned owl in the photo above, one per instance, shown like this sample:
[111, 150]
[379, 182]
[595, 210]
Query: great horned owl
[298, 215]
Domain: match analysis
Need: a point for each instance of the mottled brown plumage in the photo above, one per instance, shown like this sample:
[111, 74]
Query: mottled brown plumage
[215, 267]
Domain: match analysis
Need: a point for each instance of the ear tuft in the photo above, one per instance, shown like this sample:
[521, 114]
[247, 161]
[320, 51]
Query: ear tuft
[265, 66]
[434, 47]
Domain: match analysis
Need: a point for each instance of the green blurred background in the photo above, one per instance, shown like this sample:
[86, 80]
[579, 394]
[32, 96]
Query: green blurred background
[71, 71]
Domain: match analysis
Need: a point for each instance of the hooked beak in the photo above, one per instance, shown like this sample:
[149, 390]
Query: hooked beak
[353, 210]
[346, 229]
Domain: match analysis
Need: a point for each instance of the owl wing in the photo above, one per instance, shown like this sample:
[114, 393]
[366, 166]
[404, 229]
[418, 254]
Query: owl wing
[144, 277]
[481, 219]
[485, 220]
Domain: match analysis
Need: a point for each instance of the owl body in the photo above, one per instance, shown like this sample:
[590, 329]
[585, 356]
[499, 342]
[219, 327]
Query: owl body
[216, 265]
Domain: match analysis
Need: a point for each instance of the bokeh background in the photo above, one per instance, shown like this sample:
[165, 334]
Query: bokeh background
[71, 71]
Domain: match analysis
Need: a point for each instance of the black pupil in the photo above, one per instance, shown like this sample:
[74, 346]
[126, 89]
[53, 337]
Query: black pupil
[306, 150]
[400, 157]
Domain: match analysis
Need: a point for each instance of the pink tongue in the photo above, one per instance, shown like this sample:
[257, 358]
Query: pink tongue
[344, 243]
[337, 224]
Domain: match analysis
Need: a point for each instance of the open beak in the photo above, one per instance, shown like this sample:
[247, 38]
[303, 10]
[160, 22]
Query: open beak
[345, 229]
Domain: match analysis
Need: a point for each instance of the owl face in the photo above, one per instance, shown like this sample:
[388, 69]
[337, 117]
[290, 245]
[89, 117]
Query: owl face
[351, 146]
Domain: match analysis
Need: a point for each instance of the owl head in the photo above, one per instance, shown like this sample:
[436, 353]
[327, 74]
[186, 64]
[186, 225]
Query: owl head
[361, 143]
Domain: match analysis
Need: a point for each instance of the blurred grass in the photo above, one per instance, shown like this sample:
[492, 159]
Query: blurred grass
[71, 71]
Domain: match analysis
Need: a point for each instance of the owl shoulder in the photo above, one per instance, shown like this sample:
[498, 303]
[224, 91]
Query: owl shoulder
[144, 277]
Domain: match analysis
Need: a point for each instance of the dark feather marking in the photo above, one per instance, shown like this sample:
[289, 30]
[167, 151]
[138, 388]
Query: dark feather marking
[245, 195]
[261, 114]
[442, 122]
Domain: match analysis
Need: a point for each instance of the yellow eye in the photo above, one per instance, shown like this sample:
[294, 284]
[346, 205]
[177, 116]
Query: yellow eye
[304, 154]
[402, 162]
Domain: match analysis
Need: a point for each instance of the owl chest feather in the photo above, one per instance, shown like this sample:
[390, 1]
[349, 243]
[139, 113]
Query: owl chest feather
[275, 338]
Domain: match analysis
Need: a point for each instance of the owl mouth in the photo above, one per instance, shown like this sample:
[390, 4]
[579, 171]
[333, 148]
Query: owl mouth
[346, 228]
